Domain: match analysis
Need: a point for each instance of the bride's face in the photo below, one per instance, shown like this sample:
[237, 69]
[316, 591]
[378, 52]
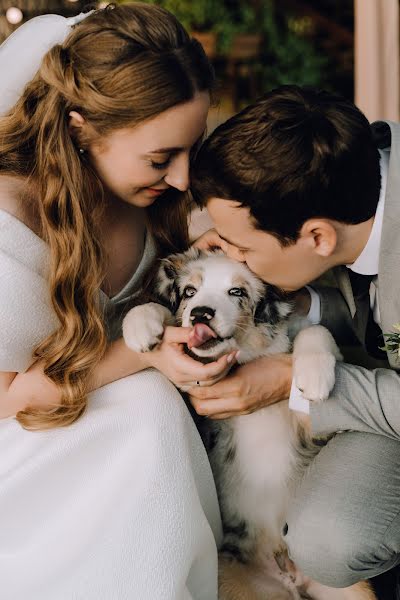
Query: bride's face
[138, 164]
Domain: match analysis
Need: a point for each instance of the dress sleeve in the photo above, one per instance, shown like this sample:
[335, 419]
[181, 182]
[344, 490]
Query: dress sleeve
[26, 314]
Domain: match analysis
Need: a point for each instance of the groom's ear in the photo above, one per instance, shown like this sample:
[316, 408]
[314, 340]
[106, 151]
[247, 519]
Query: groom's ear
[320, 235]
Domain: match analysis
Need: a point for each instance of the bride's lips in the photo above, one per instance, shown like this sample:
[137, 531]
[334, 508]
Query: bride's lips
[156, 191]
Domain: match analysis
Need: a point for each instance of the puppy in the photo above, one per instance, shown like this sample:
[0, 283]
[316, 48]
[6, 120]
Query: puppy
[257, 459]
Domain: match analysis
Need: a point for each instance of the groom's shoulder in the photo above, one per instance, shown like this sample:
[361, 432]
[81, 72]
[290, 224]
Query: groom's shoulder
[384, 132]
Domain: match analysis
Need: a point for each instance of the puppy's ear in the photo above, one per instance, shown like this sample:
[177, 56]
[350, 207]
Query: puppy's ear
[273, 306]
[166, 283]
[166, 288]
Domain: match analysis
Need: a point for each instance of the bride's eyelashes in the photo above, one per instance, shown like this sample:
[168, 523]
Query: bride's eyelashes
[160, 165]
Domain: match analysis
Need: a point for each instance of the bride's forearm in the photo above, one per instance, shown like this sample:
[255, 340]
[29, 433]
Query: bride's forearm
[34, 388]
[118, 362]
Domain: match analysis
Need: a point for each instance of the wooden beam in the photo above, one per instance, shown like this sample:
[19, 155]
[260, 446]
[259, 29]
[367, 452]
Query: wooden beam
[339, 33]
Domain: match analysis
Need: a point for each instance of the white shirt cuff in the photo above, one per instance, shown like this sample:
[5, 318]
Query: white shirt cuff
[314, 313]
[297, 401]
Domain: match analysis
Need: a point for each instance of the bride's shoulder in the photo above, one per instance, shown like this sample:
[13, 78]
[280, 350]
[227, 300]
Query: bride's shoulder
[9, 195]
[15, 200]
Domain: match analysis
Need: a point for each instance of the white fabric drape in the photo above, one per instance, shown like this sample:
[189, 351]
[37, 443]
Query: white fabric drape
[120, 505]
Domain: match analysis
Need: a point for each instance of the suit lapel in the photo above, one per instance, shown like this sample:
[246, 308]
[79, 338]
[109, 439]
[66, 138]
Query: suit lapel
[389, 256]
[343, 280]
[359, 310]
[387, 134]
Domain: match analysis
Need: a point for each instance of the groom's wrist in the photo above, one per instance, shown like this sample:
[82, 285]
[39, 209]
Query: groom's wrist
[286, 376]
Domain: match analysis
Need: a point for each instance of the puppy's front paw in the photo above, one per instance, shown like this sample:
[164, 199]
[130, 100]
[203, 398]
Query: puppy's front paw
[314, 375]
[314, 358]
[143, 326]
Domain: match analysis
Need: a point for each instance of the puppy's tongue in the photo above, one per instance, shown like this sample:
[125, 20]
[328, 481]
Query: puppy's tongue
[200, 335]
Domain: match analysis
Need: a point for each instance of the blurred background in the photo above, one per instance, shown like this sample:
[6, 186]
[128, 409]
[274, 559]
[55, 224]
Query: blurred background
[349, 46]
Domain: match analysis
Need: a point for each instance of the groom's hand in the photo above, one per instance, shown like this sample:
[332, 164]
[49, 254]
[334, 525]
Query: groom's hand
[210, 239]
[260, 383]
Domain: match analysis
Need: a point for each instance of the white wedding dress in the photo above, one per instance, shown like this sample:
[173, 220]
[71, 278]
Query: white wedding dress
[119, 505]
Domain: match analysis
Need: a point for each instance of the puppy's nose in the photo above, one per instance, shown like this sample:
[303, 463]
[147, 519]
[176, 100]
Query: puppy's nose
[201, 314]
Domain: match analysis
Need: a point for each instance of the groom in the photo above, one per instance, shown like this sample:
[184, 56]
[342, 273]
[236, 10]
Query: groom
[297, 184]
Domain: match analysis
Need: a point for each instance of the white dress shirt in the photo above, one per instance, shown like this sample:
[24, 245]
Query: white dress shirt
[366, 264]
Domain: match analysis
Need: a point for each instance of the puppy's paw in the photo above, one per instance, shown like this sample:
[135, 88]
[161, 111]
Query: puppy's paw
[314, 358]
[143, 326]
[314, 375]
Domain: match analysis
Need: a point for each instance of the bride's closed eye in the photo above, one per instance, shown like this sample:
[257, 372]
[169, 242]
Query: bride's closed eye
[160, 165]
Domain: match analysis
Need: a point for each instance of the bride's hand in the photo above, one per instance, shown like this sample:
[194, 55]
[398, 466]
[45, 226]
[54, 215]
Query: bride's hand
[170, 358]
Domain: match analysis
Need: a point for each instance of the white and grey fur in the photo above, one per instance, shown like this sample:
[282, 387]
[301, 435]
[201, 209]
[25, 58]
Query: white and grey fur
[257, 458]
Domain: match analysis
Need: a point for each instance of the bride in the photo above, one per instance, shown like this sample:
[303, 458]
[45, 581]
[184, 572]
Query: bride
[105, 488]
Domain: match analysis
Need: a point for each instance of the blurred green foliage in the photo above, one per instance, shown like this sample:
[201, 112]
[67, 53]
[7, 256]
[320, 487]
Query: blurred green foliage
[198, 15]
[287, 55]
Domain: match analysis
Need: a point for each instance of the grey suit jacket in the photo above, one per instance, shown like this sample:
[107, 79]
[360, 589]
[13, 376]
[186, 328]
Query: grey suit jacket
[367, 400]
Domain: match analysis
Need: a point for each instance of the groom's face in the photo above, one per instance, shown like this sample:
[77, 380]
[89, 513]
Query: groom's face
[289, 268]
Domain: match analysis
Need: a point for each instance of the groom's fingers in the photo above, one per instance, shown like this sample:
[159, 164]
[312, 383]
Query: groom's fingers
[222, 416]
[219, 407]
[210, 239]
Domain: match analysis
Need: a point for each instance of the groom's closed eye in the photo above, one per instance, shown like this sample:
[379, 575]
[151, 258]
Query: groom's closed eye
[233, 245]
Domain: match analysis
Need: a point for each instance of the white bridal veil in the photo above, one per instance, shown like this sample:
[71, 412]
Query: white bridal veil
[22, 53]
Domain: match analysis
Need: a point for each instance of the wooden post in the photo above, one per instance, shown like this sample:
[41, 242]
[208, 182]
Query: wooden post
[377, 58]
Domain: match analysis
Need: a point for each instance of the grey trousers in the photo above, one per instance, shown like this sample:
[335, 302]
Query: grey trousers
[344, 520]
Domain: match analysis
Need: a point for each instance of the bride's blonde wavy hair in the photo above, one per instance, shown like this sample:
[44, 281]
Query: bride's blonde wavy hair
[118, 67]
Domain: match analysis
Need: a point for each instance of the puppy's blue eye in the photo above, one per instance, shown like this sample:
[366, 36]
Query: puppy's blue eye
[237, 292]
[189, 291]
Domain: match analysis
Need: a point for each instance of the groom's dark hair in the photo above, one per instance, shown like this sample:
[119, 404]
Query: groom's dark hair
[295, 154]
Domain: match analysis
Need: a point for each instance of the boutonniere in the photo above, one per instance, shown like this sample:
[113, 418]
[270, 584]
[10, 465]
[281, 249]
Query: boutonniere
[393, 340]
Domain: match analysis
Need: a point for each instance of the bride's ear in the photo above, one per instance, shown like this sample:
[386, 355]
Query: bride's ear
[76, 122]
